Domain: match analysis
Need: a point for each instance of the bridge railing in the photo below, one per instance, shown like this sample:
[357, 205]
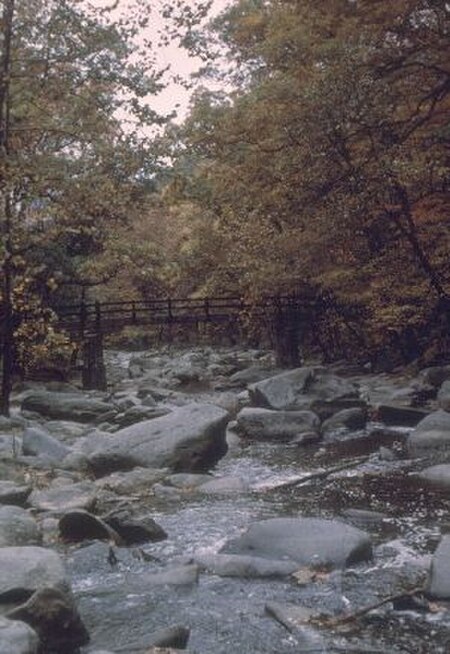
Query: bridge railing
[96, 316]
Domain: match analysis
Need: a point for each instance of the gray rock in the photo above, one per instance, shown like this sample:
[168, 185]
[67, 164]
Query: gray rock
[138, 414]
[400, 415]
[53, 615]
[236, 565]
[81, 495]
[431, 435]
[65, 406]
[309, 541]
[38, 442]
[305, 389]
[348, 419]
[26, 569]
[266, 424]
[281, 391]
[436, 476]
[251, 375]
[17, 638]
[363, 518]
[439, 581]
[12, 493]
[184, 575]
[77, 526]
[436, 375]
[137, 481]
[134, 527]
[190, 439]
[18, 527]
[443, 396]
[223, 486]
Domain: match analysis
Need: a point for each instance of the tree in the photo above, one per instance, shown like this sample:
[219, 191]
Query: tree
[72, 158]
[329, 166]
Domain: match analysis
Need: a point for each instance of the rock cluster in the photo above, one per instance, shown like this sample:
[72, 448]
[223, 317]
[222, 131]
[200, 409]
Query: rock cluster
[87, 468]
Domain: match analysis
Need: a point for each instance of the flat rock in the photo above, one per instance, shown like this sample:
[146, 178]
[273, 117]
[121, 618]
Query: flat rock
[267, 424]
[308, 541]
[65, 406]
[17, 637]
[25, 569]
[81, 495]
[18, 527]
[12, 493]
[251, 567]
[431, 435]
[439, 581]
[190, 439]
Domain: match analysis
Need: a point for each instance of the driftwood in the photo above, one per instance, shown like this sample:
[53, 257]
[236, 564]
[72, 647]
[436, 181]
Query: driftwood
[331, 621]
[321, 474]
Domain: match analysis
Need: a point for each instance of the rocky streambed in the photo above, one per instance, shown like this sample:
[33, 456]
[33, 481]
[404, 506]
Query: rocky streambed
[211, 503]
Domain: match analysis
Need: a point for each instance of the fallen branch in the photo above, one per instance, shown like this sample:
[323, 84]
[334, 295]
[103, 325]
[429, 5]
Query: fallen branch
[321, 474]
[331, 621]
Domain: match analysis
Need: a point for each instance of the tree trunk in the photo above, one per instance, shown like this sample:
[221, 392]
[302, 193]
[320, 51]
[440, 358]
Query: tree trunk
[6, 224]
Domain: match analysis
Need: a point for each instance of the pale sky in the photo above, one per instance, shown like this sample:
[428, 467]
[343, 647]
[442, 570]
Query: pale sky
[179, 60]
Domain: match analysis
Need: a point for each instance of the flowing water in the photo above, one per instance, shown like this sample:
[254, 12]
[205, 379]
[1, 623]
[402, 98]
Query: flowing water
[227, 615]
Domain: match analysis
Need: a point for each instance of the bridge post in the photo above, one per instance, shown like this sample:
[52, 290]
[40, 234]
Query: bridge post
[285, 334]
[93, 372]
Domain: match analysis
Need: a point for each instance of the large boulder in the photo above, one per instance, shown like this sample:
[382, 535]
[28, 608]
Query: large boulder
[305, 388]
[281, 391]
[18, 527]
[308, 541]
[66, 406]
[17, 638]
[25, 569]
[431, 435]
[439, 581]
[190, 439]
[266, 424]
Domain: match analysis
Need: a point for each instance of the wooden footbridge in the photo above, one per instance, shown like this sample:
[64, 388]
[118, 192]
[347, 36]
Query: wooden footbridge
[88, 322]
[107, 317]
